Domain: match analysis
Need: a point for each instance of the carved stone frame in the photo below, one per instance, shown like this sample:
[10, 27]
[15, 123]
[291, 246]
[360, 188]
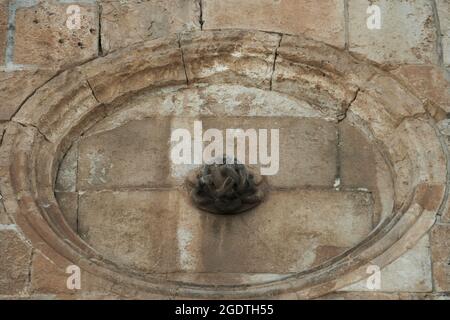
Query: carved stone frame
[334, 81]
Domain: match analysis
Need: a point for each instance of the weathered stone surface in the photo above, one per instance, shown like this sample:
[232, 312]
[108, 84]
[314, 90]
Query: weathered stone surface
[67, 95]
[362, 166]
[357, 158]
[440, 254]
[3, 31]
[67, 172]
[429, 83]
[47, 277]
[15, 87]
[223, 278]
[417, 158]
[134, 155]
[221, 100]
[407, 34]
[446, 214]
[127, 22]
[307, 148]
[4, 219]
[68, 202]
[134, 228]
[44, 39]
[443, 8]
[293, 230]
[321, 75]
[160, 231]
[410, 273]
[14, 262]
[286, 16]
[383, 104]
[240, 57]
[153, 64]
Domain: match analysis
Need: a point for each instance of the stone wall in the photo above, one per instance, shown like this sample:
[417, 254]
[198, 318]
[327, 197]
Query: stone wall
[36, 47]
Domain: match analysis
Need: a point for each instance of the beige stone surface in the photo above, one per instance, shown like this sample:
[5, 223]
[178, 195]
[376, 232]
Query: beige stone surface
[165, 233]
[362, 166]
[14, 262]
[67, 172]
[440, 254]
[3, 31]
[443, 8]
[407, 34]
[4, 219]
[134, 228]
[134, 155]
[430, 167]
[136, 223]
[429, 83]
[68, 202]
[307, 148]
[322, 75]
[286, 16]
[15, 87]
[446, 214]
[241, 57]
[358, 166]
[43, 38]
[47, 277]
[155, 63]
[410, 273]
[127, 22]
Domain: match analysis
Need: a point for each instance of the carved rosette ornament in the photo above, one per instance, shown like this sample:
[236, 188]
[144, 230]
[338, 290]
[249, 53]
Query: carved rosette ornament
[226, 188]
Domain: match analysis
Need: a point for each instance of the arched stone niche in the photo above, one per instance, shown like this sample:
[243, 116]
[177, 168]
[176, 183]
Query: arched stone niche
[288, 70]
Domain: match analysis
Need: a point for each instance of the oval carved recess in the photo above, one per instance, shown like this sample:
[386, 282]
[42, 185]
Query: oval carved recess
[335, 83]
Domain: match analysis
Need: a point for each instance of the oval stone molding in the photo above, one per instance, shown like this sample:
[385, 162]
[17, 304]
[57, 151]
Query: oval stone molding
[335, 83]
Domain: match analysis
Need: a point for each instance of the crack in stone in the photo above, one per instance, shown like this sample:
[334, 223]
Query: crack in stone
[439, 33]
[100, 11]
[182, 59]
[338, 179]
[34, 92]
[201, 21]
[446, 152]
[29, 125]
[346, 25]
[28, 288]
[275, 61]
[92, 91]
[343, 116]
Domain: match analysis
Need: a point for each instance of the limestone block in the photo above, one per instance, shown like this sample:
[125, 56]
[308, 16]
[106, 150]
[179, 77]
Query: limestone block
[133, 155]
[440, 255]
[16, 87]
[284, 16]
[67, 171]
[43, 38]
[443, 7]
[14, 262]
[124, 23]
[307, 148]
[3, 31]
[241, 57]
[429, 83]
[68, 202]
[407, 34]
[160, 231]
[410, 273]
